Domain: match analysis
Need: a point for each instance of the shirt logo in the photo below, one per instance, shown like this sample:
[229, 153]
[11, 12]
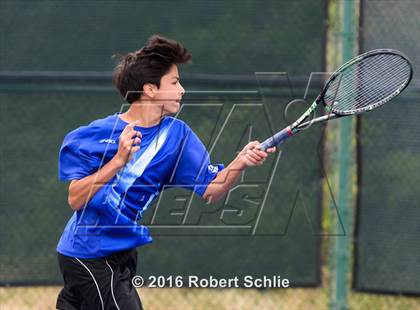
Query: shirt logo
[111, 141]
[213, 169]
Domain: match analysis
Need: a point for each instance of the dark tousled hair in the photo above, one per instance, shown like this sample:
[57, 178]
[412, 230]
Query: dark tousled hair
[147, 65]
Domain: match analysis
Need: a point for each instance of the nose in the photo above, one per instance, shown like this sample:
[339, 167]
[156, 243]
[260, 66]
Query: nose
[182, 90]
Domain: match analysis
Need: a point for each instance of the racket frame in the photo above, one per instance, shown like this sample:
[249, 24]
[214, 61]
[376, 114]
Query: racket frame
[299, 124]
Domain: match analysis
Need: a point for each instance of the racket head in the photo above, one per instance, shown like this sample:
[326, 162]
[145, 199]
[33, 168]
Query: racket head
[367, 82]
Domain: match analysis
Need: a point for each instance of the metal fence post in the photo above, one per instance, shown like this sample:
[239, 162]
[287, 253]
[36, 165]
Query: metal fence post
[343, 244]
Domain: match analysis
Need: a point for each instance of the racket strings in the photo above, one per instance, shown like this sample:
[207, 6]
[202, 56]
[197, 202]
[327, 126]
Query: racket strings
[390, 78]
[369, 94]
[369, 77]
[367, 82]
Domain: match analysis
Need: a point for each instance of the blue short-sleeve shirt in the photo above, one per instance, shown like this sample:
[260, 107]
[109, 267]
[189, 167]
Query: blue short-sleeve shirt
[171, 154]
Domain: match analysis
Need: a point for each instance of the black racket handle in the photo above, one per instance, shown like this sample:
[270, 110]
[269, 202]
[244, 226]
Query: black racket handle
[277, 138]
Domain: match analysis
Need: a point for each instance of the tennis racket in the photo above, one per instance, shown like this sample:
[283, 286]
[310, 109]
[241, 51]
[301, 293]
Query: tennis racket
[360, 85]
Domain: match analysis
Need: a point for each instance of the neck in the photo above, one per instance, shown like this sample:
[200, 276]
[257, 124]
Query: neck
[147, 113]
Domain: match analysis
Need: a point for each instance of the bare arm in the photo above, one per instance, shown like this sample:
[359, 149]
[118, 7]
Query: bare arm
[250, 156]
[81, 191]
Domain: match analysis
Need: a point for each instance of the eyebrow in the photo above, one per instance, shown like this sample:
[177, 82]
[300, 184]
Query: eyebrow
[176, 77]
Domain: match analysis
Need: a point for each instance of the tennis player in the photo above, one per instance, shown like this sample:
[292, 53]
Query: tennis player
[119, 164]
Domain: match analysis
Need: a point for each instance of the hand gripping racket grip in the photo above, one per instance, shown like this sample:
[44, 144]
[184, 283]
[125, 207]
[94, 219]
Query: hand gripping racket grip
[277, 138]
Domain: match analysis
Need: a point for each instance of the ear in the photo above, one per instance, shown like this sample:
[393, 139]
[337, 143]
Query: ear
[149, 90]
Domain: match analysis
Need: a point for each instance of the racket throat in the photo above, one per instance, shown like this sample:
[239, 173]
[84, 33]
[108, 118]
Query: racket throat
[304, 116]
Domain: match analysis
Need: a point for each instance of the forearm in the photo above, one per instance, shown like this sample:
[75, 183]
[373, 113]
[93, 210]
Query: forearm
[81, 191]
[250, 156]
[224, 181]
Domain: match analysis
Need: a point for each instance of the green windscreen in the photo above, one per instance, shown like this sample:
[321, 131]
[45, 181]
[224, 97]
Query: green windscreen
[388, 211]
[55, 59]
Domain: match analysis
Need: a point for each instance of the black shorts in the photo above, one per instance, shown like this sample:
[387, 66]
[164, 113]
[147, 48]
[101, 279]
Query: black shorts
[99, 283]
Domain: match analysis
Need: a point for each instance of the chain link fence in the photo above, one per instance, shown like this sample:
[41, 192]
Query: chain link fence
[387, 249]
[55, 64]
[55, 77]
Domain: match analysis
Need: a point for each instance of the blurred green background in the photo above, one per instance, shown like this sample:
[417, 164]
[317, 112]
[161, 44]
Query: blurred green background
[227, 39]
[55, 75]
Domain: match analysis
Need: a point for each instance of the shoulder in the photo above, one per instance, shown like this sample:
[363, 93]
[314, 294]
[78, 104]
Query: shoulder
[95, 129]
[177, 125]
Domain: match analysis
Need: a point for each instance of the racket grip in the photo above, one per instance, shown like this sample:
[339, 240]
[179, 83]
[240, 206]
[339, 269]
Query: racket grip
[277, 138]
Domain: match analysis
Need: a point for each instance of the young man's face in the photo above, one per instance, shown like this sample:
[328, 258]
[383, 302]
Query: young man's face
[170, 91]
